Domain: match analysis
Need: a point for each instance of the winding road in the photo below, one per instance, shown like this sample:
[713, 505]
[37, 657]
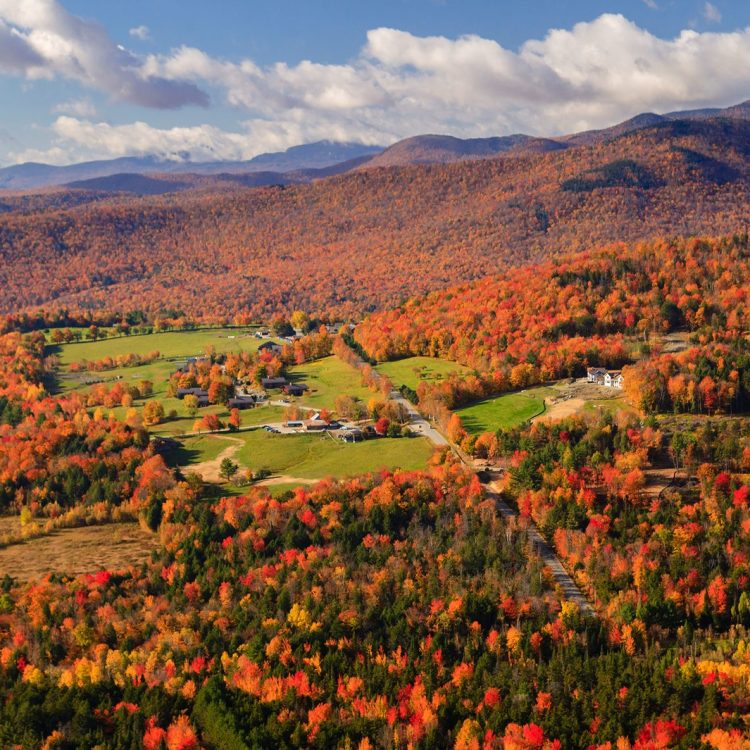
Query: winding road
[568, 587]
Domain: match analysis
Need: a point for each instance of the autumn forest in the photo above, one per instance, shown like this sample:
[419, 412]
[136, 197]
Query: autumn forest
[414, 456]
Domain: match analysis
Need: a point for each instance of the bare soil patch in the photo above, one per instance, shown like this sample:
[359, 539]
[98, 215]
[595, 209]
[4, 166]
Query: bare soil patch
[561, 409]
[572, 396]
[284, 479]
[676, 341]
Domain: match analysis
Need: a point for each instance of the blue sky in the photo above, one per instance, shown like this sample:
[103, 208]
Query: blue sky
[232, 78]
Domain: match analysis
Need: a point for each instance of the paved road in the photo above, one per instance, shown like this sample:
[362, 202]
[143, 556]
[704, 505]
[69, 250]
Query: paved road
[567, 585]
[570, 591]
[417, 423]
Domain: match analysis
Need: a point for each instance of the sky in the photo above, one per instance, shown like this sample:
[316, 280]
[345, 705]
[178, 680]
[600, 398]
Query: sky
[229, 79]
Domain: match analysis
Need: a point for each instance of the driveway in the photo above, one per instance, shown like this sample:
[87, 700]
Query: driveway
[417, 423]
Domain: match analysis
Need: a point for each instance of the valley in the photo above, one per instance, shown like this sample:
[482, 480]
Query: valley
[446, 445]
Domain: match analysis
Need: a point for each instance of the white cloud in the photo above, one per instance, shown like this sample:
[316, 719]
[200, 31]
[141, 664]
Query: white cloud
[651, 4]
[78, 107]
[588, 76]
[711, 13]
[140, 32]
[77, 139]
[40, 39]
[591, 75]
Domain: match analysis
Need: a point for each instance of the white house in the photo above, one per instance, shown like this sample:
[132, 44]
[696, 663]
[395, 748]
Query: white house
[613, 379]
[596, 375]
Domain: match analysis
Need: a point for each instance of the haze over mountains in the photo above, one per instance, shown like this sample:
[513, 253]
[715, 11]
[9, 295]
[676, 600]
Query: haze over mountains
[308, 156]
[312, 161]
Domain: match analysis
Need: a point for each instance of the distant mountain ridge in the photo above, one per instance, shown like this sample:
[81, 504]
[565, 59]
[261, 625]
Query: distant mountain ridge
[157, 183]
[649, 119]
[308, 162]
[319, 155]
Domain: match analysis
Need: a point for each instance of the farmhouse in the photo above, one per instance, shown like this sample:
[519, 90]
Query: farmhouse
[241, 402]
[602, 376]
[613, 379]
[295, 389]
[185, 364]
[277, 382]
[200, 393]
[596, 375]
[270, 346]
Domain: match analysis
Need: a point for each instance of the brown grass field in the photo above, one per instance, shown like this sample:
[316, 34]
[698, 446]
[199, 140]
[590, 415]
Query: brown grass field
[76, 551]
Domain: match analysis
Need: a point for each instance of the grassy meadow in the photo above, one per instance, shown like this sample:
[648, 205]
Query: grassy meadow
[168, 343]
[327, 378]
[308, 456]
[508, 410]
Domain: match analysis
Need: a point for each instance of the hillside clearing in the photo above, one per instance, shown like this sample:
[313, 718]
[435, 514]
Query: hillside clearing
[504, 411]
[77, 551]
[327, 378]
[302, 457]
[167, 343]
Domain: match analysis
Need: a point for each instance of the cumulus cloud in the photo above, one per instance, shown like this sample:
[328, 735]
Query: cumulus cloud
[40, 39]
[76, 139]
[587, 76]
[140, 32]
[590, 75]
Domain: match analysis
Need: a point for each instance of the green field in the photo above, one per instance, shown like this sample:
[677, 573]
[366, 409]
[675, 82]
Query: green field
[327, 378]
[157, 372]
[508, 410]
[172, 344]
[310, 456]
[169, 344]
[412, 370]
[196, 449]
[183, 424]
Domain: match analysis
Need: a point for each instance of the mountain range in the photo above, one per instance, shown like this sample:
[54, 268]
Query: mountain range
[311, 156]
[312, 161]
[370, 237]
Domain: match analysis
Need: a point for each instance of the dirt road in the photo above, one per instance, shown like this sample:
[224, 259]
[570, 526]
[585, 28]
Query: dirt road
[209, 470]
[568, 587]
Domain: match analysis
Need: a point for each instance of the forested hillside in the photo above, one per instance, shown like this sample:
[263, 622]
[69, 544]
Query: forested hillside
[369, 239]
[393, 609]
[553, 320]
